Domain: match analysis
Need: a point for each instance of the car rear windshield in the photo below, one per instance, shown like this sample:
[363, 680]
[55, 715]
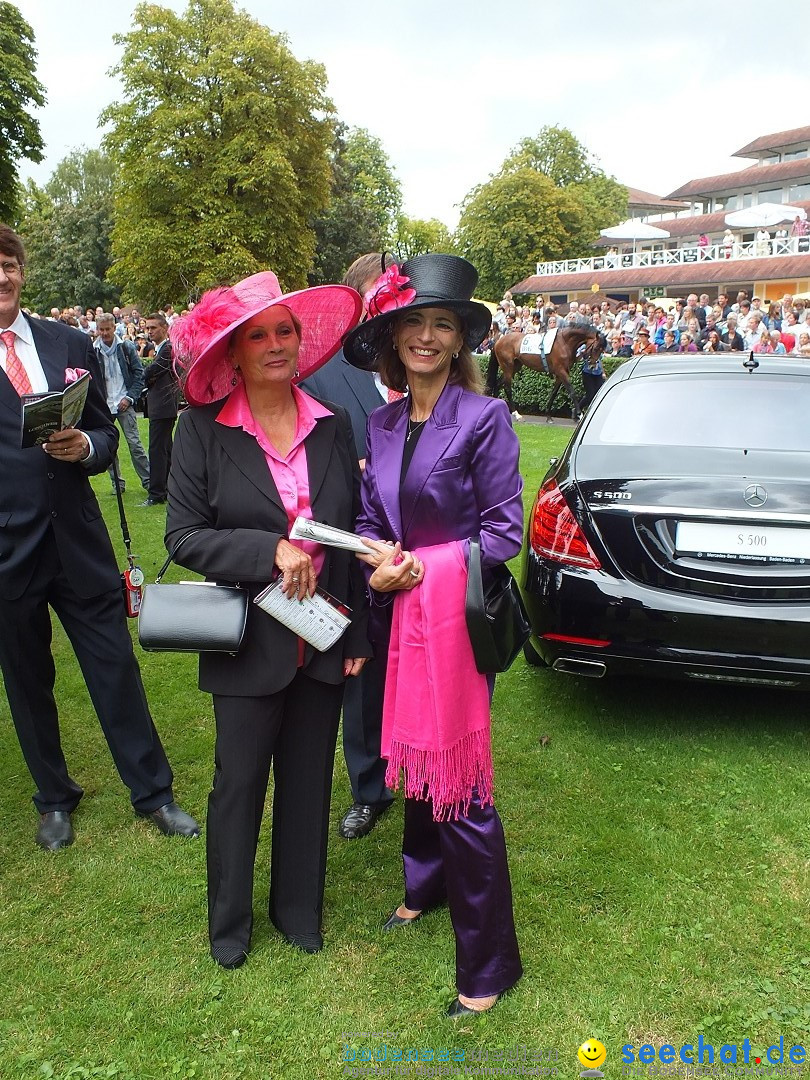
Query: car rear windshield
[754, 412]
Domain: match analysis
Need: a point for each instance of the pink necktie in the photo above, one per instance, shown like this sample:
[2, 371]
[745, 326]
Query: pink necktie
[394, 395]
[14, 367]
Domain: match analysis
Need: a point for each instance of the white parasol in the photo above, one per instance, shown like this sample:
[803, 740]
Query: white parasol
[763, 215]
[634, 230]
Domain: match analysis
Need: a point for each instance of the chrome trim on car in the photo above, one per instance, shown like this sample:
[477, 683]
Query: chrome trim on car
[694, 512]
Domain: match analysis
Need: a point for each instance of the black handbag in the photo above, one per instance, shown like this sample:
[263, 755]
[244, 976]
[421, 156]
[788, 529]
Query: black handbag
[192, 616]
[496, 618]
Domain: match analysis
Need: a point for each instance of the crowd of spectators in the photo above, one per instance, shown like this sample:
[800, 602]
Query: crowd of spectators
[692, 324]
[129, 323]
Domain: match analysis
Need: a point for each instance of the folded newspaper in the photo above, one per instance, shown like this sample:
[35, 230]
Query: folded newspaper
[303, 529]
[319, 619]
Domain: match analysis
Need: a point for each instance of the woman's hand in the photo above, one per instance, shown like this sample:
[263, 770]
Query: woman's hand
[298, 573]
[377, 551]
[353, 666]
[397, 570]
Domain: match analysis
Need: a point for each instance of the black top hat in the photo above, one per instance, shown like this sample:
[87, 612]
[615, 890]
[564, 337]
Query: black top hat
[444, 281]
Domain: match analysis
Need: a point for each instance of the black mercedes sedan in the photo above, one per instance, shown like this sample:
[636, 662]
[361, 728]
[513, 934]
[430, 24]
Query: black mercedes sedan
[672, 538]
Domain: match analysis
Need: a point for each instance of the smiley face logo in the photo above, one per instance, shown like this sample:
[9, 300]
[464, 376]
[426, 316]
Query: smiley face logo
[592, 1053]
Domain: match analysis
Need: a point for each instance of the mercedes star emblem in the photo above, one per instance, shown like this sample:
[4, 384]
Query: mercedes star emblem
[755, 495]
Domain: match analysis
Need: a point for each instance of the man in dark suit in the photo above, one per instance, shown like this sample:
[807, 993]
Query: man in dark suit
[161, 404]
[359, 393]
[55, 552]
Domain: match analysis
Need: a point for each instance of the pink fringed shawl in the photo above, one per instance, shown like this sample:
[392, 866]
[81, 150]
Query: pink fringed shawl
[436, 720]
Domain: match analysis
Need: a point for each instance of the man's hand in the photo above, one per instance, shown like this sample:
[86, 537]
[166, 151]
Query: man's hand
[68, 445]
[123, 404]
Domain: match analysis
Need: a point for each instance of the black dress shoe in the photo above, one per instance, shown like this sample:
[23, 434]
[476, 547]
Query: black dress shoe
[360, 819]
[152, 502]
[172, 820]
[55, 830]
[309, 943]
[395, 921]
[228, 956]
[457, 1009]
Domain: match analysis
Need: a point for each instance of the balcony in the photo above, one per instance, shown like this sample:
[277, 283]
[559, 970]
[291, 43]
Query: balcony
[683, 256]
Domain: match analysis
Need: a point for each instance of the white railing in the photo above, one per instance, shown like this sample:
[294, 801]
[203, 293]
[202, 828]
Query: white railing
[683, 256]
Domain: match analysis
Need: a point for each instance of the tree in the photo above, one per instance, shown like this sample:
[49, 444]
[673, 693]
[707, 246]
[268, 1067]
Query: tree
[548, 200]
[417, 237]
[557, 153]
[374, 180]
[510, 222]
[365, 193]
[20, 137]
[222, 141]
[67, 227]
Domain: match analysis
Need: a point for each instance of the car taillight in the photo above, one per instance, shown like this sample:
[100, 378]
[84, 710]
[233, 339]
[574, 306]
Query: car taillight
[555, 533]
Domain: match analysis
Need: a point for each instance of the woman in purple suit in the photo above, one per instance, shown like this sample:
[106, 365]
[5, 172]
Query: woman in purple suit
[442, 467]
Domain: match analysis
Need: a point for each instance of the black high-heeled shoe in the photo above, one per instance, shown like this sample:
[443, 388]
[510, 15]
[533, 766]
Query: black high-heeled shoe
[394, 921]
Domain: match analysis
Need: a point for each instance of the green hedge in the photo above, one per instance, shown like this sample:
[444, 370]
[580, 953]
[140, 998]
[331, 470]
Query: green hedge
[530, 389]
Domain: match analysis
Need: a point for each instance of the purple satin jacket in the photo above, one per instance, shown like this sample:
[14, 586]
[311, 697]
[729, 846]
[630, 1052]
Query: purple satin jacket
[463, 479]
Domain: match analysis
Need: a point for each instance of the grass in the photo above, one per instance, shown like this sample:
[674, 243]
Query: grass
[659, 849]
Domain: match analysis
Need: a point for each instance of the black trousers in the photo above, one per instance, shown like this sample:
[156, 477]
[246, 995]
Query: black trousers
[160, 455]
[98, 632]
[295, 730]
[362, 733]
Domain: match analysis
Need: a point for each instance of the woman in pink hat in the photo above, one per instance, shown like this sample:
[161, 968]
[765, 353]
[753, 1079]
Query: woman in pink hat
[253, 453]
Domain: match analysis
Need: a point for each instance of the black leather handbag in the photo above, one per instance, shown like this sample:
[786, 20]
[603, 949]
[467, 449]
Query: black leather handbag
[496, 618]
[192, 616]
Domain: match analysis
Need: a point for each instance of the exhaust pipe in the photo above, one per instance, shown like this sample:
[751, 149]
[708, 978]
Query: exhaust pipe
[592, 669]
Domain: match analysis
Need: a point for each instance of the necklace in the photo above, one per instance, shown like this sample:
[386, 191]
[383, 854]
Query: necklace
[415, 425]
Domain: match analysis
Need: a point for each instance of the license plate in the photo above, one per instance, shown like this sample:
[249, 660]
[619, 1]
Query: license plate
[743, 543]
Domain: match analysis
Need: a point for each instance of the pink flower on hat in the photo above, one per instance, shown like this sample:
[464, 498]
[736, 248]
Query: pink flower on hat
[389, 292]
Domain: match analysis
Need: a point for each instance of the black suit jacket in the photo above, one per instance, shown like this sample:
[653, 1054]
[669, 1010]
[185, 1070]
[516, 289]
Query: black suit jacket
[162, 394]
[38, 493]
[220, 485]
[350, 387]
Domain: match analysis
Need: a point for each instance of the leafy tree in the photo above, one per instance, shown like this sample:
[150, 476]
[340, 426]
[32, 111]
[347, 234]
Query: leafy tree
[510, 222]
[222, 141]
[557, 153]
[357, 218]
[549, 200]
[417, 237]
[67, 227]
[374, 180]
[19, 90]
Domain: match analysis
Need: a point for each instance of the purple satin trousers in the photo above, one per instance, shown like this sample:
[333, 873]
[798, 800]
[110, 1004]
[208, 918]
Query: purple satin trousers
[464, 863]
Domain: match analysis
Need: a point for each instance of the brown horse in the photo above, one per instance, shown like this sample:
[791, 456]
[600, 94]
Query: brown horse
[506, 355]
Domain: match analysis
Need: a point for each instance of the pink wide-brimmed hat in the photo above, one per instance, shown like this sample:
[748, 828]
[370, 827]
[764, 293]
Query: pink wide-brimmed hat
[200, 340]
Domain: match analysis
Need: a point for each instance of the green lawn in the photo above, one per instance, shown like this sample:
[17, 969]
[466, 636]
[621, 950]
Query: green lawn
[659, 848]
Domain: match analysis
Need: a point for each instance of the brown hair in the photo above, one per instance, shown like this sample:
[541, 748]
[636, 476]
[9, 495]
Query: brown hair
[367, 266]
[11, 244]
[158, 316]
[464, 368]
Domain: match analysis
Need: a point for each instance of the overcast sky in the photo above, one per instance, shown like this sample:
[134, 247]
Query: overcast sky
[658, 92]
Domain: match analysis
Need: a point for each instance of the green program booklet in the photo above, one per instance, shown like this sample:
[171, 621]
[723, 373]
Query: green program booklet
[43, 414]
